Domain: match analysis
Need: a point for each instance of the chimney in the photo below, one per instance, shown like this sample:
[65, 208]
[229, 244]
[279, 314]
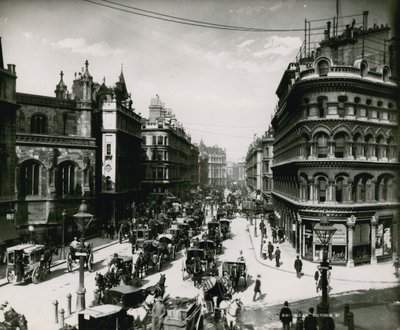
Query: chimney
[328, 28]
[365, 20]
[11, 68]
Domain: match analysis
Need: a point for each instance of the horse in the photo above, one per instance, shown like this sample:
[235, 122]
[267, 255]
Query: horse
[158, 289]
[139, 265]
[15, 320]
[233, 313]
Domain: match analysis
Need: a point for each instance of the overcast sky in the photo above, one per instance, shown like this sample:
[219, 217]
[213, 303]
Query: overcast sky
[220, 84]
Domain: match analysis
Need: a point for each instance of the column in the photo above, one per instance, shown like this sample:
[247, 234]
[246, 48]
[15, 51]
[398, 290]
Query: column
[331, 145]
[349, 151]
[299, 241]
[374, 223]
[395, 237]
[351, 222]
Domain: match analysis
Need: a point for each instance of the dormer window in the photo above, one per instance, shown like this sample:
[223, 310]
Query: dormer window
[363, 69]
[323, 68]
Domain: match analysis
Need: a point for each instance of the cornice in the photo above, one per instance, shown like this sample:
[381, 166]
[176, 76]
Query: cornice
[60, 141]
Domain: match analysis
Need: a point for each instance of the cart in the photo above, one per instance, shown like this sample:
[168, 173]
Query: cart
[184, 316]
[225, 226]
[26, 261]
[167, 246]
[74, 254]
[107, 316]
[141, 235]
[237, 272]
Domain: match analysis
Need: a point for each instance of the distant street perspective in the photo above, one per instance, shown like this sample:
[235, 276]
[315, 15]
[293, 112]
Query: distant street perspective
[208, 165]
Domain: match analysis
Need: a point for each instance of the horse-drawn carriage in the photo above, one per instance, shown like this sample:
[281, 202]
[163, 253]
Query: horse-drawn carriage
[124, 231]
[141, 235]
[104, 317]
[195, 263]
[152, 254]
[183, 315]
[212, 229]
[76, 251]
[225, 228]
[209, 247]
[230, 212]
[167, 246]
[237, 272]
[26, 261]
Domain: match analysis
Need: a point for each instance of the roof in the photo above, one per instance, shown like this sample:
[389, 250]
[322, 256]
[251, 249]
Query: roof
[26, 247]
[101, 310]
[8, 231]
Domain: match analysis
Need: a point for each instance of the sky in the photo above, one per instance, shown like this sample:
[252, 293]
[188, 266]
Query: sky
[219, 83]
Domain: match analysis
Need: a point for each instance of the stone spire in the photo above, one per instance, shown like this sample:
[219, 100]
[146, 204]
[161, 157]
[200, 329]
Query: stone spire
[61, 88]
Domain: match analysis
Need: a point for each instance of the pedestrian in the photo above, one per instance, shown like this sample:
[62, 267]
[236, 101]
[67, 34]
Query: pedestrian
[298, 265]
[286, 316]
[270, 250]
[396, 266]
[264, 249]
[262, 228]
[277, 256]
[158, 314]
[316, 279]
[281, 235]
[310, 321]
[327, 323]
[274, 235]
[112, 231]
[257, 287]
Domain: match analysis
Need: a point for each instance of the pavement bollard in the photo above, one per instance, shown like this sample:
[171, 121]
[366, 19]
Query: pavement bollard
[350, 321]
[346, 312]
[55, 303]
[69, 297]
[62, 317]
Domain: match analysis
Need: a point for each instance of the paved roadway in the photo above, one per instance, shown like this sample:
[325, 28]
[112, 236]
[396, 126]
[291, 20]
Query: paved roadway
[35, 301]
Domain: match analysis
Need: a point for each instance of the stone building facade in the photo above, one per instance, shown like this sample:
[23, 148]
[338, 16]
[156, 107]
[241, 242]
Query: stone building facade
[336, 149]
[216, 164]
[8, 109]
[170, 160]
[117, 128]
[259, 160]
[56, 157]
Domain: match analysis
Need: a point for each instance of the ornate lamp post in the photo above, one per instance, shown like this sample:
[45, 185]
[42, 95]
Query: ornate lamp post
[64, 215]
[324, 231]
[80, 217]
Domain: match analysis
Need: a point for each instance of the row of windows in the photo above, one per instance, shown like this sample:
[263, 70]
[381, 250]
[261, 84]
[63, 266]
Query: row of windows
[157, 140]
[361, 188]
[39, 123]
[342, 108]
[65, 179]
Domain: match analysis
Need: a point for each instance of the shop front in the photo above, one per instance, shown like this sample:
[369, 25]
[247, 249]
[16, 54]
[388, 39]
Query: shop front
[362, 243]
[337, 250]
[383, 245]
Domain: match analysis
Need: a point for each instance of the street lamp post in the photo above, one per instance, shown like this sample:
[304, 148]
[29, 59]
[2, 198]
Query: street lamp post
[31, 229]
[324, 231]
[80, 217]
[10, 214]
[64, 215]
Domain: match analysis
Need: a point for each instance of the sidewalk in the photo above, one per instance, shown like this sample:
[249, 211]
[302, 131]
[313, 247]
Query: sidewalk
[371, 313]
[98, 244]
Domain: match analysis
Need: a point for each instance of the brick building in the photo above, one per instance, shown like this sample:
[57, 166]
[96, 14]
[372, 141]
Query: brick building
[336, 147]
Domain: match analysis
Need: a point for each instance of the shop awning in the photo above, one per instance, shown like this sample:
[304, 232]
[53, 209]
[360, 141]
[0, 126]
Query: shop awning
[8, 231]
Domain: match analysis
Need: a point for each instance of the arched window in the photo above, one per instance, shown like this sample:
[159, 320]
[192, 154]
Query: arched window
[322, 106]
[340, 145]
[70, 121]
[370, 147]
[322, 145]
[323, 68]
[341, 105]
[339, 190]
[358, 149]
[29, 179]
[304, 146]
[66, 178]
[391, 148]
[39, 124]
[380, 150]
[321, 189]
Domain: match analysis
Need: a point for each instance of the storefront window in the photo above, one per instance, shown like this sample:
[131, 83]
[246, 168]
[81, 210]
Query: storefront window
[338, 253]
[383, 238]
[308, 242]
[361, 242]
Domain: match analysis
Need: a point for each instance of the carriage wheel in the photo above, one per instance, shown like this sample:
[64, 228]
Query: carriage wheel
[10, 275]
[69, 262]
[36, 275]
[90, 262]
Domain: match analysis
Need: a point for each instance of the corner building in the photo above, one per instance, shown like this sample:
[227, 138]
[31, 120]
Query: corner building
[336, 148]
